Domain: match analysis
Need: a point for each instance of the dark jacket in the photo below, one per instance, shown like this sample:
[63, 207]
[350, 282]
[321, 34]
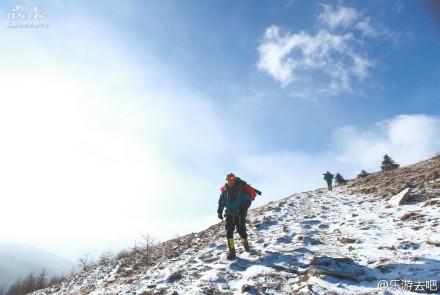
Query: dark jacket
[235, 199]
[328, 177]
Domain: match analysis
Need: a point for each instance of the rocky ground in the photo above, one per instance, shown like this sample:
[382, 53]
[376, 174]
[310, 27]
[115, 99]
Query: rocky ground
[347, 241]
[421, 178]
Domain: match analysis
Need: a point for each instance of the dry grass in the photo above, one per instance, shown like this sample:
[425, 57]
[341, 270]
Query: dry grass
[423, 177]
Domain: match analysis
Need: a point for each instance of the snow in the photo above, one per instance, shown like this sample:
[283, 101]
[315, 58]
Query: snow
[311, 242]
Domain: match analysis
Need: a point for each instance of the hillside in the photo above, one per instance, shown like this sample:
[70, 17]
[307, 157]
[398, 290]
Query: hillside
[420, 177]
[18, 260]
[341, 242]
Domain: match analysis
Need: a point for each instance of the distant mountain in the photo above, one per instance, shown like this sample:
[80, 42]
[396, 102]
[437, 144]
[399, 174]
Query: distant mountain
[18, 260]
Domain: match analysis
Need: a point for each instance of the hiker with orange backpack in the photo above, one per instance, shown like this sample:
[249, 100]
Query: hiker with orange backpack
[253, 192]
[236, 196]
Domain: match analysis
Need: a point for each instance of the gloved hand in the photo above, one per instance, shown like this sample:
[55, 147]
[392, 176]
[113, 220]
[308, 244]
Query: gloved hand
[220, 216]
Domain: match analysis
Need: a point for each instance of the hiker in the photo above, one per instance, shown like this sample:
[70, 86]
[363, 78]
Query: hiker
[329, 179]
[247, 187]
[236, 199]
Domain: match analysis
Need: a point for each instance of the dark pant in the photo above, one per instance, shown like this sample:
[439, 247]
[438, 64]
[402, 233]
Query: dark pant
[236, 221]
[329, 186]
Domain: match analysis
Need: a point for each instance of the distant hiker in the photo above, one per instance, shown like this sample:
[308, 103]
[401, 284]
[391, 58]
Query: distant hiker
[329, 179]
[236, 199]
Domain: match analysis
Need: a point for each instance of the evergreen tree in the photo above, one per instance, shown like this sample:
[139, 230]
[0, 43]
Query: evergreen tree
[340, 180]
[41, 280]
[388, 163]
[363, 174]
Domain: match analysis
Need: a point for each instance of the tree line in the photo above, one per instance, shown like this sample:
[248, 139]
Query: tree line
[387, 164]
[143, 254]
[30, 283]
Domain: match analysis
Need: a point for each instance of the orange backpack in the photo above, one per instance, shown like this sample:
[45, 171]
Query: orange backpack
[253, 192]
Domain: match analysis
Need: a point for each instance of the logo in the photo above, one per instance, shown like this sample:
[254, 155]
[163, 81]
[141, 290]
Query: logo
[27, 16]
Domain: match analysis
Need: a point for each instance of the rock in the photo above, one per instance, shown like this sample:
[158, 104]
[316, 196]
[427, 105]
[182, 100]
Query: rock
[434, 239]
[245, 288]
[310, 241]
[384, 268]
[400, 198]
[335, 273]
[412, 216]
[432, 202]
[175, 276]
[270, 285]
[346, 240]
[340, 267]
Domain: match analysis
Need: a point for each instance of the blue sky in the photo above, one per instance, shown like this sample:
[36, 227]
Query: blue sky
[122, 118]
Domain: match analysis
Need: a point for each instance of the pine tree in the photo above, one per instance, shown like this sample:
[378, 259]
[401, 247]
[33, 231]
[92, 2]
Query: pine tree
[363, 174]
[41, 280]
[388, 163]
[340, 180]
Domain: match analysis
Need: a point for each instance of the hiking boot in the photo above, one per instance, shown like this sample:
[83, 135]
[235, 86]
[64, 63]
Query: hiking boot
[246, 244]
[231, 255]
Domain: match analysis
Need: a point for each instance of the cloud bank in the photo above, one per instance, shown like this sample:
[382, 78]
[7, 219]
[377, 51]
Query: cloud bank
[406, 138]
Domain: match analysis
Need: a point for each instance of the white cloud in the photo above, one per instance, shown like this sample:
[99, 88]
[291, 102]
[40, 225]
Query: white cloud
[367, 28]
[274, 56]
[348, 18]
[286, 56]
[330, 61]
[406, 138]
[289, 3]
[335, 17]
[372, 29]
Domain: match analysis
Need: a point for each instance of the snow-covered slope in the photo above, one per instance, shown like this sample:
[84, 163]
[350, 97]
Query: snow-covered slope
[315, 242]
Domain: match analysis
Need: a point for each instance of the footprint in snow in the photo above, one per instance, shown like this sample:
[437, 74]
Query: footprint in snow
[409, 246]
[286, 239]
[208, 258]
[240, 264]
[307, 224]
[221, 247]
